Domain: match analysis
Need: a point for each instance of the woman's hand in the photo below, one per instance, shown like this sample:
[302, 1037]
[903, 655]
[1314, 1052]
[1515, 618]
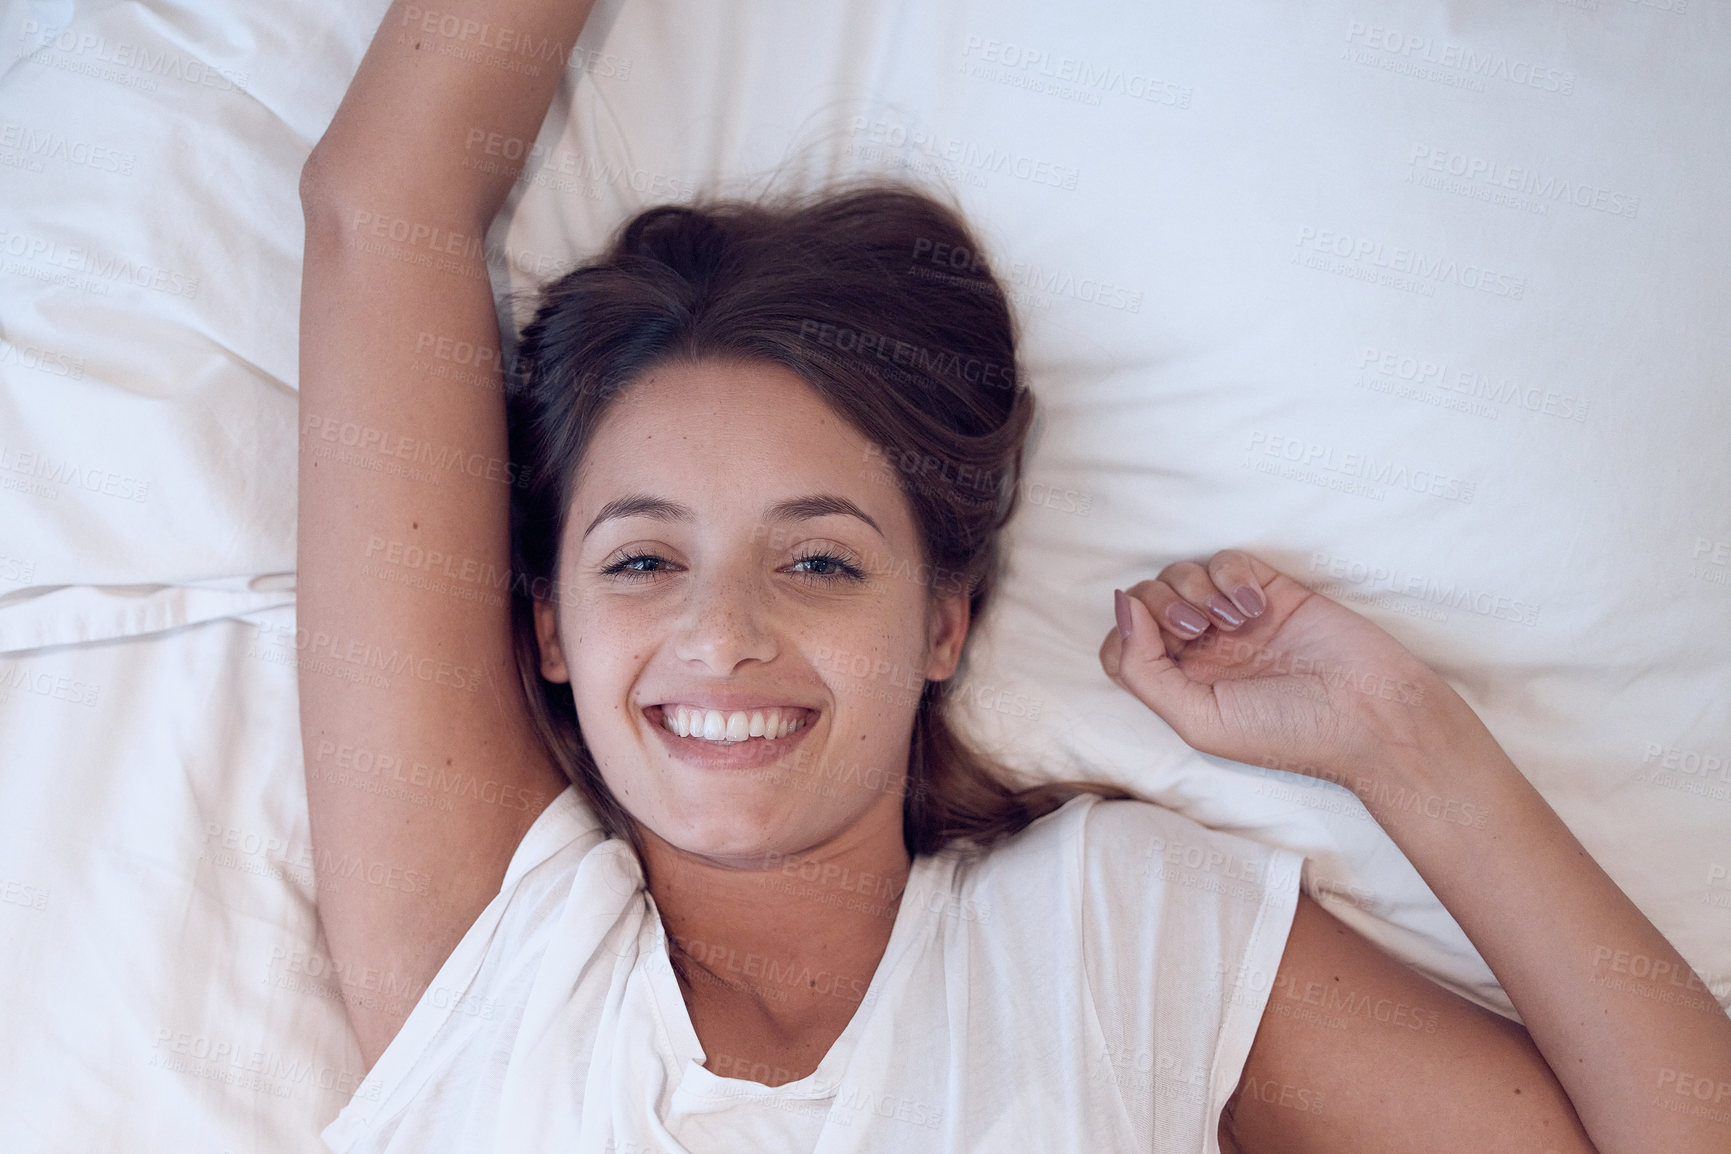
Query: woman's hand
[1245, 663]
[1309, 686]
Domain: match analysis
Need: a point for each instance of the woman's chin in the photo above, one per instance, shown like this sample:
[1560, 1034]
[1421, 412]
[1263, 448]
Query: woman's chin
[738, 815]
[745, 836]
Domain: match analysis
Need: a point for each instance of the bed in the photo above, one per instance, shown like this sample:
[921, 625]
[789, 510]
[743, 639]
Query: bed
[1424, 304]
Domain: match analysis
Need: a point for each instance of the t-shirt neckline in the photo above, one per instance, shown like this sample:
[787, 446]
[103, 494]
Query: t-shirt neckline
[912, 917]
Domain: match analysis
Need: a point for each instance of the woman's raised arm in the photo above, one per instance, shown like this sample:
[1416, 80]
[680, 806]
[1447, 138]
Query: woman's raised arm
[1639, 1050]
[423, 772]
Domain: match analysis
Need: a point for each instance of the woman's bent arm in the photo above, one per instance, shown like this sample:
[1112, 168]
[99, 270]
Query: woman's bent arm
[1643, 1051]
[423, 771]
[1608, 1062]
[1357, 1053]
[1627, 1030]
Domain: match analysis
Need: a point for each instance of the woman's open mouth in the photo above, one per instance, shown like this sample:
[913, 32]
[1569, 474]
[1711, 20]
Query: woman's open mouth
[731, 738]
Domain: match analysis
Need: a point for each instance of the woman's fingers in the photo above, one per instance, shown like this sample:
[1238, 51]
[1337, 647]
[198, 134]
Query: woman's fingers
[1177, 621]
[1151, 676]
[1187, 597]
[1196, 601]
[1234, 573]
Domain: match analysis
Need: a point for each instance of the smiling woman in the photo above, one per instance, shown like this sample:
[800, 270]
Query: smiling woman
[749, 890]
[700, 348]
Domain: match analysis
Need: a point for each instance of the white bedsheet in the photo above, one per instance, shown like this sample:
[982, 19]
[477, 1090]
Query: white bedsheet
[1424, 303]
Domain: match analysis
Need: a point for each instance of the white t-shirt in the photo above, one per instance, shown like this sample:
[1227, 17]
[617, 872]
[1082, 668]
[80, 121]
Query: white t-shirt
[1093, 983]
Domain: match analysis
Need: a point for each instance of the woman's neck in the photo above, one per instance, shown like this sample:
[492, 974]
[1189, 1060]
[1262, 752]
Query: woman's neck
[799, 936]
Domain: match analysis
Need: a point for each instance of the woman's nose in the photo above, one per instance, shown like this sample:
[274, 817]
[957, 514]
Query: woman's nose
[724, 623]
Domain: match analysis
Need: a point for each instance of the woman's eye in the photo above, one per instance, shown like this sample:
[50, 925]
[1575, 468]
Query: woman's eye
[627, 566]
[830, 567]
[823, 567]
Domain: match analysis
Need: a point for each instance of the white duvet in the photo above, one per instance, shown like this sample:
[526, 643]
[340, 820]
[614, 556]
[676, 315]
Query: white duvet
[1426, 304]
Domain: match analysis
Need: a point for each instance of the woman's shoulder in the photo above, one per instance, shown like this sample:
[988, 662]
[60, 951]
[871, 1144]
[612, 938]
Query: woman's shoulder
[543, 871]
[464, 1023]
[1112, 823]
[1126, 887]
[1129, 841]
[1168, 849]
[567, 828]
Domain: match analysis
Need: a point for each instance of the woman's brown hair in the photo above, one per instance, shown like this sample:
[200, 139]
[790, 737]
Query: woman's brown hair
[876, 296]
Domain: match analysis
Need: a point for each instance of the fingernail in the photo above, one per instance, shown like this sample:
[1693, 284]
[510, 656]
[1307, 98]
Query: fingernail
[1225, 610]
[1248, 600]
[1185, 619]
[1121, 609]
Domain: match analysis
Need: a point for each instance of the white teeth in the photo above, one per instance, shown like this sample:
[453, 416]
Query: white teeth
[714, 725]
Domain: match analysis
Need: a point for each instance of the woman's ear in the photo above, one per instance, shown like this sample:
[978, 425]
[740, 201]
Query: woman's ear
[547, 638]
[947, 630]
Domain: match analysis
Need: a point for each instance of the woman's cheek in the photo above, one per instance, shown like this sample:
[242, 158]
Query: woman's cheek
[870, 673]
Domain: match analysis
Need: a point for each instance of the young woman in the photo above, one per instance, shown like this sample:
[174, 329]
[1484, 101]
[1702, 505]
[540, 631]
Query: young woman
[678, 852]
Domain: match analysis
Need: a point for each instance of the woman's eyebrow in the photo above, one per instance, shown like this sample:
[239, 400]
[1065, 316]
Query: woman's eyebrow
[793, 509]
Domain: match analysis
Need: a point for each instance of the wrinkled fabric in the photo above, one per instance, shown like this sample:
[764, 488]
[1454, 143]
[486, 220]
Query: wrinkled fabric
[1093, 983]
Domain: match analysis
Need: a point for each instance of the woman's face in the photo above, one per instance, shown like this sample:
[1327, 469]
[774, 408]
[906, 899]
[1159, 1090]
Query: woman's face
[731, 546]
